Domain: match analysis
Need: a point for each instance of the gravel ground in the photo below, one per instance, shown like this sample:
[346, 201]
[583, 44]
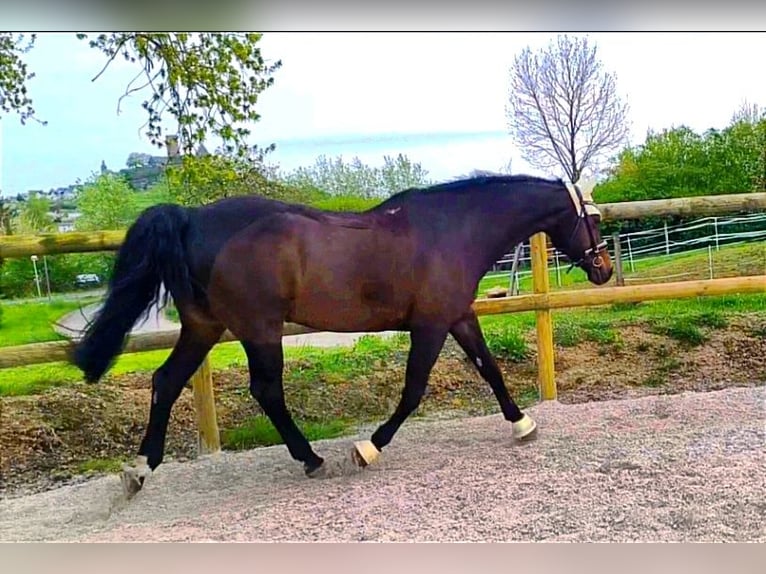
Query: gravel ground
[689, 467]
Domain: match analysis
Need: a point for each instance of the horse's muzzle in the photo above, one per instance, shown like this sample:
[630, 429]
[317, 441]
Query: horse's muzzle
[599, 268]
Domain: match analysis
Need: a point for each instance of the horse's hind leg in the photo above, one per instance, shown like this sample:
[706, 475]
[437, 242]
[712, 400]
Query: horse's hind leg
[168, 381]
[426, 345]
[467, 333]
[266, 362]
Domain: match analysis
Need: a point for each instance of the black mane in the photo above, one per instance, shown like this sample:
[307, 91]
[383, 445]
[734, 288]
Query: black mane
[466, 185]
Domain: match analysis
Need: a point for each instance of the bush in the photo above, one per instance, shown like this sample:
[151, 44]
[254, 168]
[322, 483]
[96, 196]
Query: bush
[345, 203]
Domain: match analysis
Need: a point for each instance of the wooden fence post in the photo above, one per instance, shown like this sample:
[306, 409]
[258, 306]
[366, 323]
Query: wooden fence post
[620, 280]
[540, 282]
[204, 407]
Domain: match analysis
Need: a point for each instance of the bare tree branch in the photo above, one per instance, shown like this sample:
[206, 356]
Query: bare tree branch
[563, 109]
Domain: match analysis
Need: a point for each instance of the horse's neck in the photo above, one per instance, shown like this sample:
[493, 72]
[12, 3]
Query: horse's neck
[494, 228]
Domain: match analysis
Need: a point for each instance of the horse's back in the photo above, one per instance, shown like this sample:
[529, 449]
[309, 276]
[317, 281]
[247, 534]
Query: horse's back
[329, 271]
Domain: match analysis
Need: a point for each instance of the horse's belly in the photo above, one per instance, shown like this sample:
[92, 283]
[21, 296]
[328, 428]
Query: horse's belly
[369, 308]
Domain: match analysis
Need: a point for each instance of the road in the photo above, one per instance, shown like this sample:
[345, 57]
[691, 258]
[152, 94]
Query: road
[73, 323]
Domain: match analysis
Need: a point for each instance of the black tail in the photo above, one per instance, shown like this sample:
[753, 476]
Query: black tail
[151, 255]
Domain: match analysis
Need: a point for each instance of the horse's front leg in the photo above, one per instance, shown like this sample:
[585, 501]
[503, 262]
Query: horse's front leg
[426, 344]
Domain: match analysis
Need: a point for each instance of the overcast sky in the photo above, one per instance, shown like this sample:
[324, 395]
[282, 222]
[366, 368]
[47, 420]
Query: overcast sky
[438, 97]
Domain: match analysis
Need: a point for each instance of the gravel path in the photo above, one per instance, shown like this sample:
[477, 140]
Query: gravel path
[688, 467]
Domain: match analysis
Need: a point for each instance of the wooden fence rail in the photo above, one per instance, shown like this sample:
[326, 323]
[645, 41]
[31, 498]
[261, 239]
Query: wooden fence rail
[542, 301]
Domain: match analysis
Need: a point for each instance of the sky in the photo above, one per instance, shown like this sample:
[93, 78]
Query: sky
[439, 98]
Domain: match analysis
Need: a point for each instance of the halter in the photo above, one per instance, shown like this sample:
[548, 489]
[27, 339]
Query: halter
[586, 208]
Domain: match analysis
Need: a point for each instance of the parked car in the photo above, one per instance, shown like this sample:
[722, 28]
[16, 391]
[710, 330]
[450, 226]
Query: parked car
[87, 280]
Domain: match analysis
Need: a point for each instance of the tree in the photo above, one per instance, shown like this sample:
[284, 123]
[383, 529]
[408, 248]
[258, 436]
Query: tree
[678, 162]
[356, 179]
[209, 82]
[107, 202]
[747, 133]
[35, 216]
[563, 109]
[507, 168]
[198, 180]
[137, 159]
[14, 75]
[400, 173]
[8, 212]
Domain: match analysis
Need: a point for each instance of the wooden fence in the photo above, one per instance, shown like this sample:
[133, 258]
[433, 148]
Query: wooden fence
[542, 301]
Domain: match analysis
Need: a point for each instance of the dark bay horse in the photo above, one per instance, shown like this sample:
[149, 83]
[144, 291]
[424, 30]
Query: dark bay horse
[412, 263]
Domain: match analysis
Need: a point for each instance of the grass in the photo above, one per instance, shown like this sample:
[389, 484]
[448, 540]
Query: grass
[729, 261]
[574, 330]
[303, 363]
[171, 313]
[507, 341]
[705, 310]
[259, 431]
[688, 328]
[32, 322]
[567, 333]
[683, 331]
[668, 364]
[148, 198]
[100, 465]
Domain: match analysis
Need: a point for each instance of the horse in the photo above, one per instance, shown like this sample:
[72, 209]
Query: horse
[249, 264]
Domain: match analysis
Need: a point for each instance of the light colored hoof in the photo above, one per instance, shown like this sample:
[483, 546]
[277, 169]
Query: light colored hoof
[524, 429]
[365, 453]
[134, 477]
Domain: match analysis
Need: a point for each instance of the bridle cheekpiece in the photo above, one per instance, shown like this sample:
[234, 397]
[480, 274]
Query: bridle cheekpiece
[585, 207]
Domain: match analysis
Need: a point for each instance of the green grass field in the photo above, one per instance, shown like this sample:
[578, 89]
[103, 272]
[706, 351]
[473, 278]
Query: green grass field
[729, 261]
[32, 322]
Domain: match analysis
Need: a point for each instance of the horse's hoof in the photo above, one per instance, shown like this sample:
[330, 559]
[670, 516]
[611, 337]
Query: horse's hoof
[134, 477]
[317, 471]
[525, 428]
[364, 453]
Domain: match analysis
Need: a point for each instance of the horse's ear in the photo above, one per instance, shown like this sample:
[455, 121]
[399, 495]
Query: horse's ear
[586, 187]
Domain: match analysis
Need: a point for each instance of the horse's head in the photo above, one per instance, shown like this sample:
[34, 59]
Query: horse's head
[578, 237]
